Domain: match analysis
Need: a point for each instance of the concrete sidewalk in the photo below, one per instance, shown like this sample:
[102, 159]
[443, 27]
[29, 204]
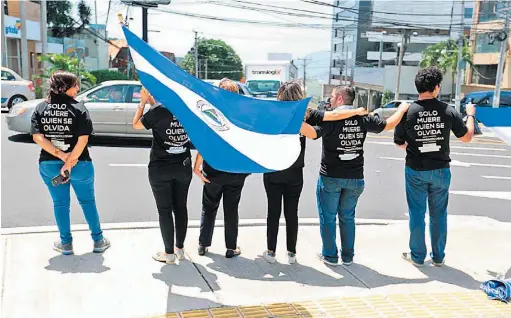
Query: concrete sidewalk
[126, 282]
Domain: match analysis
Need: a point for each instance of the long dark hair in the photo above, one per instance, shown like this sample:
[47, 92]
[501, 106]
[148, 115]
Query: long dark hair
[290, 91]
[61, 81]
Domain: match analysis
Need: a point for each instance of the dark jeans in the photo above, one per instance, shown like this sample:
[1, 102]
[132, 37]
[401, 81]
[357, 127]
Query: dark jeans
[170, 189]
[82, 181]
[288, 189]
[431, 187]
[338, 197]
[211, 195]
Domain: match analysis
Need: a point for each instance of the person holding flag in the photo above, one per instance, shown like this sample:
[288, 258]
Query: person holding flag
[218, 184]
[286, 186]
[170, 173]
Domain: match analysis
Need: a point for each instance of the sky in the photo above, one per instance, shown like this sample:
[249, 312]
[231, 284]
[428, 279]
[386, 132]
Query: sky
[251, 42]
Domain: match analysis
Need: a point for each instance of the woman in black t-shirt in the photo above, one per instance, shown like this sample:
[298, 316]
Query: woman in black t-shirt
[61, 126]
[170, 173]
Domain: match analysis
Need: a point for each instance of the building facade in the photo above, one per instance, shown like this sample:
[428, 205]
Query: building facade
[488, 25]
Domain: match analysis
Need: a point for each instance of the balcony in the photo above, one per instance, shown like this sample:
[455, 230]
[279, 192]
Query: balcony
[389, 56]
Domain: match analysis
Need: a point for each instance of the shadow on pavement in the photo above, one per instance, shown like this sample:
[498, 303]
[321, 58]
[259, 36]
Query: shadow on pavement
[184, 280]
[259, 269]
[73, 264]
[444, 274]
[96, 141]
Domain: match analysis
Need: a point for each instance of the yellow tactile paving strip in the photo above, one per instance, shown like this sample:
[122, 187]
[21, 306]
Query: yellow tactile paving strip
[462, 304]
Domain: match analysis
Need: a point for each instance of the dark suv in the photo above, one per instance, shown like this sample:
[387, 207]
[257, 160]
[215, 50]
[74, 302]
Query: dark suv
[485, 99]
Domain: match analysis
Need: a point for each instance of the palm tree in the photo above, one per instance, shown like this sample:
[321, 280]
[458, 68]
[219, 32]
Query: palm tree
[444, 55]
[69, 64]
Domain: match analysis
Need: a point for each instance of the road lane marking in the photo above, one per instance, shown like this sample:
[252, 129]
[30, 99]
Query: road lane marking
[502, 195]
[479, 155]
[128, 165]
[497, 177]
[476, 141]
[459, 163]
[388, 143]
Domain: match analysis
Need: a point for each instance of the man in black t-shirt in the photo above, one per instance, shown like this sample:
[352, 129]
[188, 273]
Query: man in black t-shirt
[424, 132]
[341, 179]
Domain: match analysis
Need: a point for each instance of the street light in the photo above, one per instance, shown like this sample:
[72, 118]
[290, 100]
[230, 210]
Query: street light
[380, 61]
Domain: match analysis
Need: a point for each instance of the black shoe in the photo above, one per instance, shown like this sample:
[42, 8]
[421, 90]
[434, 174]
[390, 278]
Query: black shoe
[232, 253]
[202, 250]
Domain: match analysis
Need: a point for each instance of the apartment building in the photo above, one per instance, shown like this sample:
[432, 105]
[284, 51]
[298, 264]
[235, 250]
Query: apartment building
[488, 25]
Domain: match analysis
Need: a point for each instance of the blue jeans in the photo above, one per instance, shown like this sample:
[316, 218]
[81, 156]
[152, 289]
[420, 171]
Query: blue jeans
[431, 187]
[338, 197]
[82, 181]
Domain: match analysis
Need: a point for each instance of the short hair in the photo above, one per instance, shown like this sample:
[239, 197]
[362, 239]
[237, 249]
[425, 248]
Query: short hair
[290, 91]
[347, 93]
[427, 79]
[229, 85]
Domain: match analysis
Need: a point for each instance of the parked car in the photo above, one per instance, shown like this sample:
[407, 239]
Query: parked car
[242, 88]
[111, 104]
[485, 99]
[15, 89]
[389, 109]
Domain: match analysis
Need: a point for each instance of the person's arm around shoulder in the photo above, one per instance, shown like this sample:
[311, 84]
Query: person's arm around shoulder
[197, 168]
[465, 132]
[395, 119]
[309, 131]
[340, 114]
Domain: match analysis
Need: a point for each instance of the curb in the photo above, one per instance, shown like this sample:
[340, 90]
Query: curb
[191, 224]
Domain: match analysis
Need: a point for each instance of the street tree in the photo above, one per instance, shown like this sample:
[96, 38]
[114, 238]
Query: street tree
[222, 61]
[60, 20]
[444, 55]
[70, 64]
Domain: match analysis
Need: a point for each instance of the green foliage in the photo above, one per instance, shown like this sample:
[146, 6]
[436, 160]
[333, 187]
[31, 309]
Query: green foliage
[66, 63]
[386, 97]
[221, 58]
[108, 75]
[60, 18]
[444, 55]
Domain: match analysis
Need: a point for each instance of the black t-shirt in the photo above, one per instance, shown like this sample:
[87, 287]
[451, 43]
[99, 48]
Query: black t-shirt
[170, 141]
[314, 117]
[62, 120]
[426, 128]
[343, 145]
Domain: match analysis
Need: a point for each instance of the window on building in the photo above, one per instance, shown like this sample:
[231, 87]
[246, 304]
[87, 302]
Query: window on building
[6, 8]
[337, 17]
[468, 13]
[335, 47]
[482, 45]
[484, 74]
[490, 10]
[86, 51]
[336, 31]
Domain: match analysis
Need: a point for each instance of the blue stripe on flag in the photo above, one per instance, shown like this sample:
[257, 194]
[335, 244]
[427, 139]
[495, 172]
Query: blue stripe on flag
[262, 116]
[494, 117]
[225, 158]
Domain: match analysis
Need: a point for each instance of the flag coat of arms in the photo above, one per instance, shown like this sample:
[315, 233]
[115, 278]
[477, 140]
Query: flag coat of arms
[232, 132]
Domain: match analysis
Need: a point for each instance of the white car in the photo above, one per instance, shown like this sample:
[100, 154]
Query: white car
[389, 109]
[15, 89]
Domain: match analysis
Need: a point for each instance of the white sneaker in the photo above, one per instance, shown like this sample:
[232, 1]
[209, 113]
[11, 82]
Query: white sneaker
[269, 256]
[171, 259]
[165, 258]
[180, 253]
[291, 257]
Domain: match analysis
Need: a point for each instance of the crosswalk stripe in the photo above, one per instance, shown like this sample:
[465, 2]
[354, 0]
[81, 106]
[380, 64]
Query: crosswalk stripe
[388, 143]
[459, 163]
[497, 177]
[479, 155]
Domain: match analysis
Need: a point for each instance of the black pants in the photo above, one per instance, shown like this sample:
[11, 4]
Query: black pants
[286, 186]
[170, 189]
[211, 196]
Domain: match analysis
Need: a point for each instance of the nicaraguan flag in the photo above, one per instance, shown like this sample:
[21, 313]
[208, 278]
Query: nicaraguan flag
[498, 120]
[232, 132]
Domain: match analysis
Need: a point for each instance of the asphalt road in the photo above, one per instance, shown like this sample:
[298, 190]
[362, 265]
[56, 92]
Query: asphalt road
[481, 173]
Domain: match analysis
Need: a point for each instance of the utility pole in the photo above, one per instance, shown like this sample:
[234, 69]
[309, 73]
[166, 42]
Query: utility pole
[380, 61]
[304, 75]
[345, 59]
[24, 44]
[144, 25]
[196, 51]
[331, 58]
[44, 44]
[206, 69]
[97, 40]
[502, 59]
[404, 38]
[4, 39]
[459, 75]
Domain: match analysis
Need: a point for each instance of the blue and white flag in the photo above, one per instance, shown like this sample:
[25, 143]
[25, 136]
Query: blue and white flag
[232, 132]
[498, 120]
